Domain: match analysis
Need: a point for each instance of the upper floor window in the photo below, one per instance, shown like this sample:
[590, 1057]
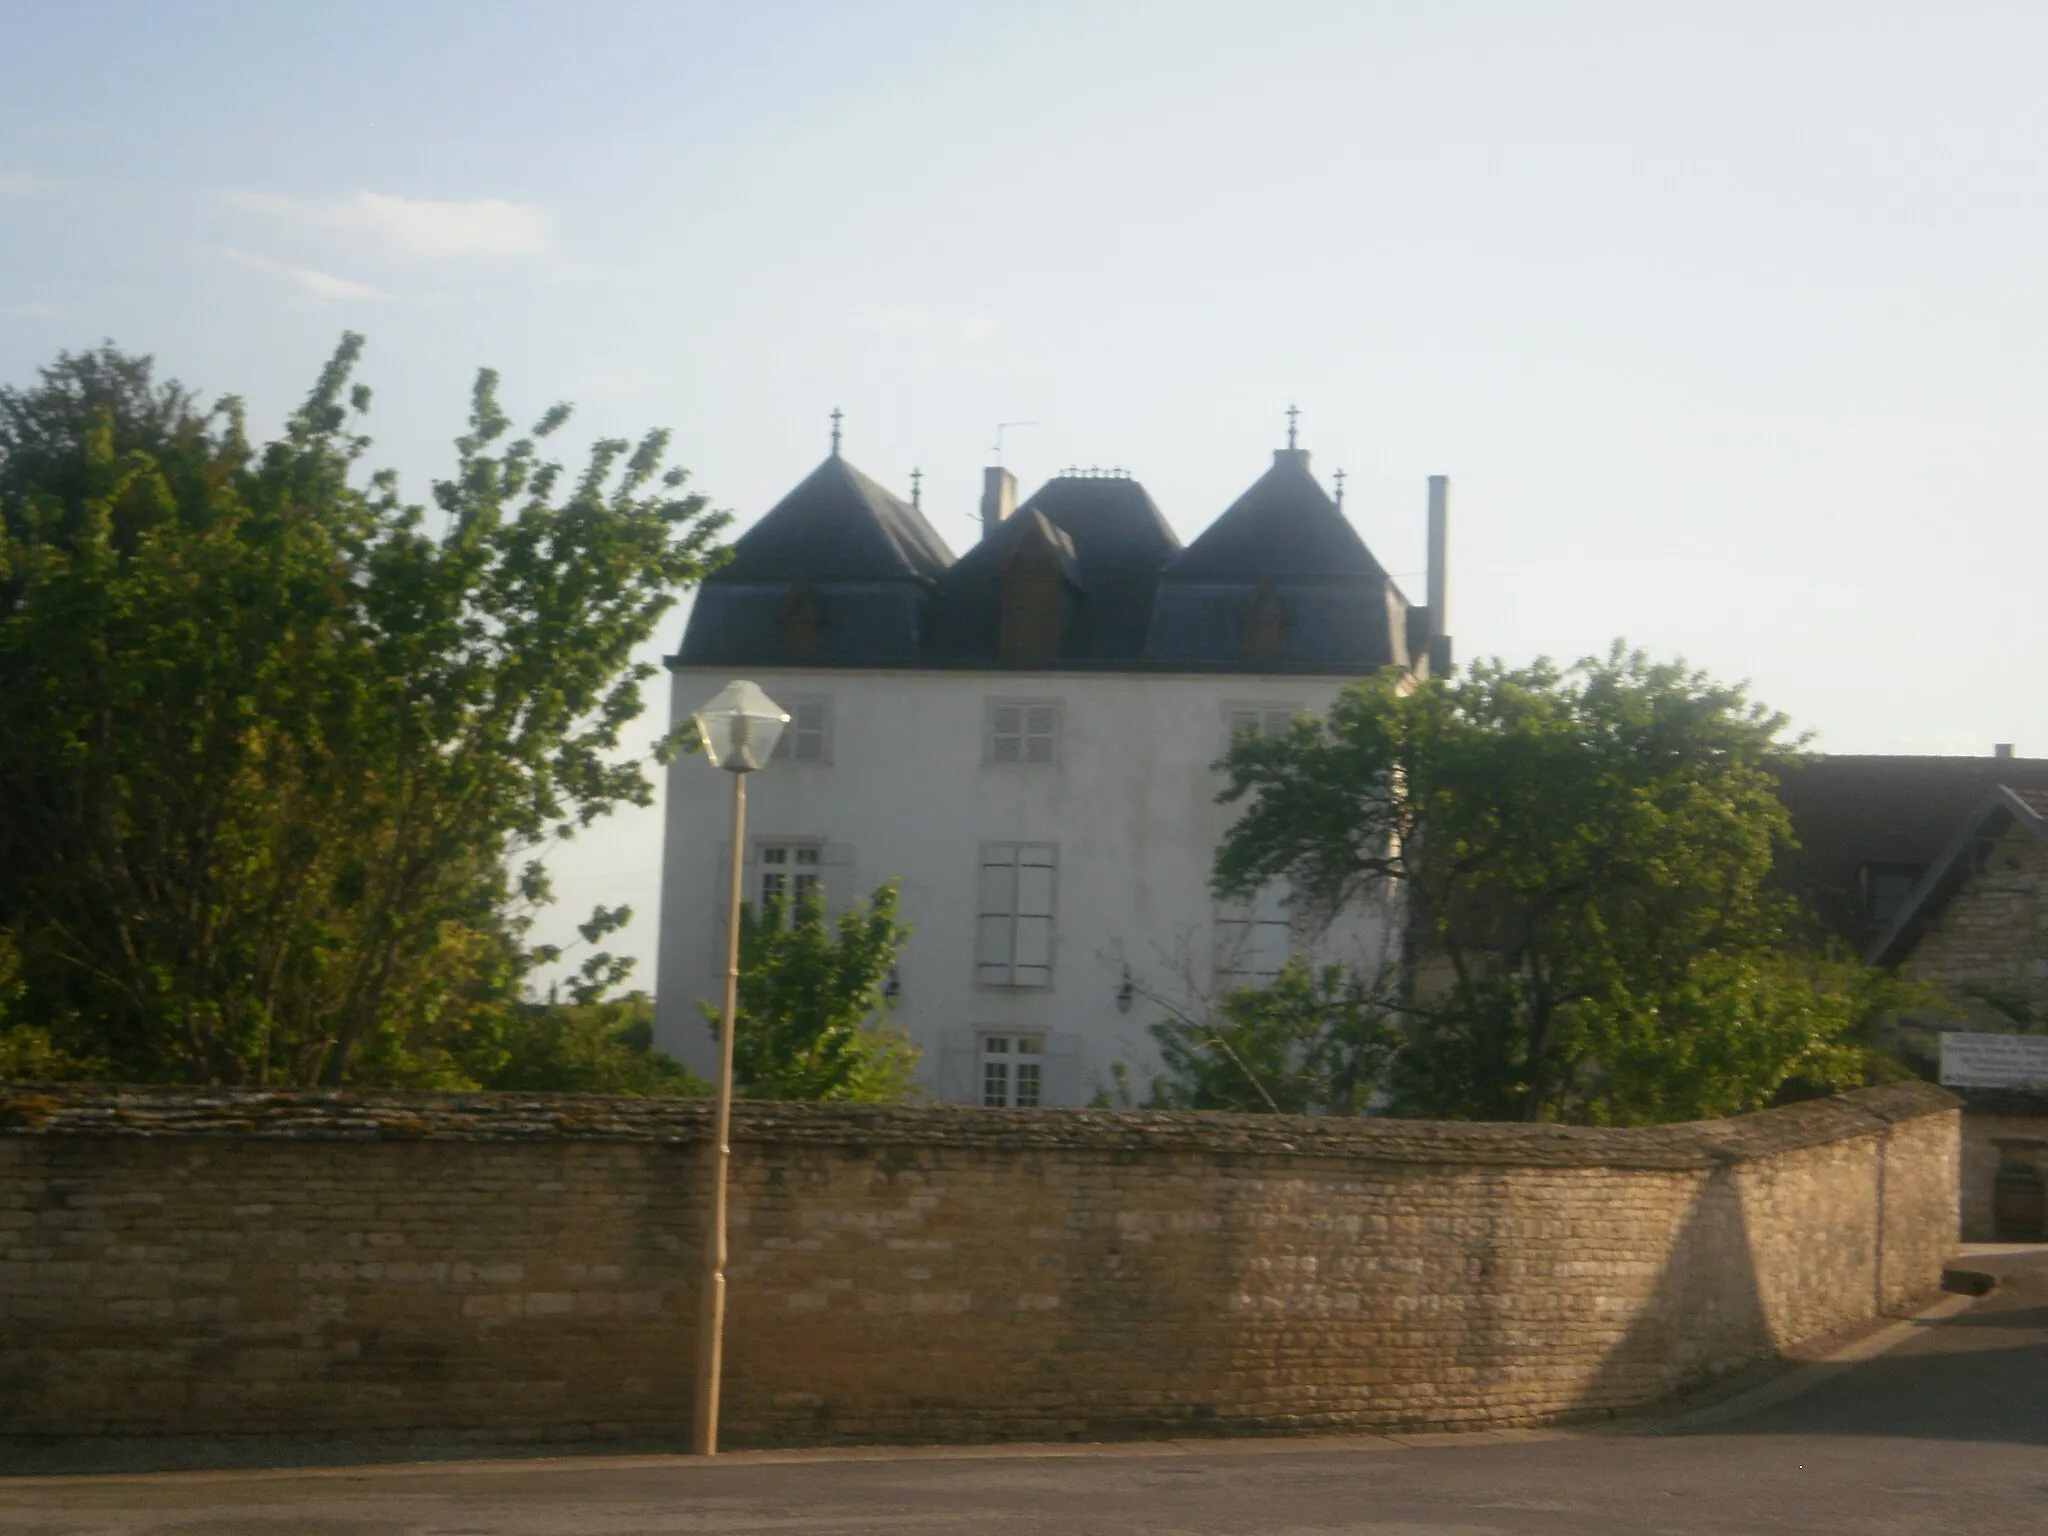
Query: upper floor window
[1253, 937]
[808, 736]
[1023, 731]
[1013, 936]
[1267, 720]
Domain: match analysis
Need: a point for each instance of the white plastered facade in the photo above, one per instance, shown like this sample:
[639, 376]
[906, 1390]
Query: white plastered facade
[908, 794]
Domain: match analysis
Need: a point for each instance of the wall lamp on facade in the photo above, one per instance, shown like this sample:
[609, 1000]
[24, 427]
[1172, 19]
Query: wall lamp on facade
[739, 727]
[1127, 993]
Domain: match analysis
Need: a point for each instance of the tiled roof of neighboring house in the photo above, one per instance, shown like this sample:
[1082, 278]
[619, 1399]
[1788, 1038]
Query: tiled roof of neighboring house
[1998, 812]
[843, 573]
[1853, 814]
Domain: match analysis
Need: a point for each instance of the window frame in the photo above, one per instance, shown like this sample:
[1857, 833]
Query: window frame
[760, 871]
[1245, 916]
[1009, 971]
[1266, 710]
[1022, 1049]
[1023, 733]
[787, 743]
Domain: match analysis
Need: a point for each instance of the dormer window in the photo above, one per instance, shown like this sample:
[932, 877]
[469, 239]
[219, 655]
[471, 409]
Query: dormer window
[800, 619]
[1265, 622]
[1033, 594]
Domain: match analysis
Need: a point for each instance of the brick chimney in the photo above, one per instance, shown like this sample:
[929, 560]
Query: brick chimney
[998, 497]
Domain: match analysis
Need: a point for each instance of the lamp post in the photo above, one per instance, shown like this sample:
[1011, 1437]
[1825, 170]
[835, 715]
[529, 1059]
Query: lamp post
[739, 727]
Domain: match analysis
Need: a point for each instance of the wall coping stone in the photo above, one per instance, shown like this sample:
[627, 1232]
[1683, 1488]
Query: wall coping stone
[308, 1114]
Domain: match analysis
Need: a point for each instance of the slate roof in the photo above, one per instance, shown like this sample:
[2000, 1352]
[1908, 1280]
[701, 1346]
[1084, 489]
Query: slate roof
[2000, 811]
[1284, 541]
[1118, 542]
[840, 571]
[844, 573]
[1850, 811]
[838, 525]
[1284, 525]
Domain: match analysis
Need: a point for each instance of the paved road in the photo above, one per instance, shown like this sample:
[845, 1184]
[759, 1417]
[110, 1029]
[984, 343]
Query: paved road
[1948, 1433]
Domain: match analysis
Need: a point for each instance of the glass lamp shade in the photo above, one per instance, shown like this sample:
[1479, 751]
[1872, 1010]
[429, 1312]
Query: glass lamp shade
[739, 727]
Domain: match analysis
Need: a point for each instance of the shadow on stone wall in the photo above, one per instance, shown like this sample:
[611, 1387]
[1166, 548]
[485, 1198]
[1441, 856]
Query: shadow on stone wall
[1705, 1319]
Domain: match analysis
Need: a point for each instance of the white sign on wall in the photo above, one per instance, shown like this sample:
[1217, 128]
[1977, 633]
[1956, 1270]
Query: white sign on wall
[1993, 1061]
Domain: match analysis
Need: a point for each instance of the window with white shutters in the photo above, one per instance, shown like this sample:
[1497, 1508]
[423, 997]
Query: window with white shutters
[1013, 937]
[1267, 720]
[1024, 732]
[1253, 937]
[808, 736]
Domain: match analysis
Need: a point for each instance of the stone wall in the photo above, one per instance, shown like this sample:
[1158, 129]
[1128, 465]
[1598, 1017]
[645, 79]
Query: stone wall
[506, 1266]
[1993, 931]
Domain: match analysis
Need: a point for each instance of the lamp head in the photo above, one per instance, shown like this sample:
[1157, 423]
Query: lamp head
[739, 727]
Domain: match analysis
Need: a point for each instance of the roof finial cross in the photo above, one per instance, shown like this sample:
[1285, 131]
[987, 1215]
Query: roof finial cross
[837, 417]
[917, 488]
[1292, 413]
[1339, 478]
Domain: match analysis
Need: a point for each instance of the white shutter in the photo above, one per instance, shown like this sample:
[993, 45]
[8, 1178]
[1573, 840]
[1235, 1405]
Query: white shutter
[1041, 733]
[995, 937]
[1062, 1072]
[1035, 870]
[957, 1080]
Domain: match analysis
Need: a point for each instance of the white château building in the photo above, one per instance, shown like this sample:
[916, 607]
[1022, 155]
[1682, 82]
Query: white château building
[1023, 739]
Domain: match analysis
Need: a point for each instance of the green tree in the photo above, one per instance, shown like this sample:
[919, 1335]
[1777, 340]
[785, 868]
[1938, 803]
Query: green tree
[276, 738]
[595, 1047]
[812, 1003]
[1584, 858]
[1314, 1042]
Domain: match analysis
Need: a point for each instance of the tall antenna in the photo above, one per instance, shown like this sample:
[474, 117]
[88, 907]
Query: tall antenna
[1339, 478]
[917, 488]
[1001, 428]
[1292, 413]
[837, 417]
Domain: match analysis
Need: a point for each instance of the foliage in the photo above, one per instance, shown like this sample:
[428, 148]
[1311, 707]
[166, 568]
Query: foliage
[596, 1047]
[1314, 1042]
[808, 1023]
[1585, 854]
[275, 737]
[27, 1053]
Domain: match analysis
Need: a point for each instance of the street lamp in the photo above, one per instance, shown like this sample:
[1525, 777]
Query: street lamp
[739, 727]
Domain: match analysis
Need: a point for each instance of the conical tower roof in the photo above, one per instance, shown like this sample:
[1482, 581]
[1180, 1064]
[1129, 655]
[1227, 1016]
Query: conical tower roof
[1284, 525]
[837, 525]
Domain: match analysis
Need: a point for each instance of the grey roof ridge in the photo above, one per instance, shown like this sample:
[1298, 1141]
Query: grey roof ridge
[896, 516]
[1946, 873]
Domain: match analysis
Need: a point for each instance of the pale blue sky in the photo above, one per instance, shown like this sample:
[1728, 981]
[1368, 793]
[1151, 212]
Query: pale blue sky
[1725, 319]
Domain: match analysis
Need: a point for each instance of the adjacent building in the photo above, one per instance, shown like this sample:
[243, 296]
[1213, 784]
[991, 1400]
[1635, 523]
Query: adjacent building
[1023, 740]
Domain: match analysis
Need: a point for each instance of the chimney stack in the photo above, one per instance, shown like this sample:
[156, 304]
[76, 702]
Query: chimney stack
[2003, 749]
[1439, 575]
[998, 497]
